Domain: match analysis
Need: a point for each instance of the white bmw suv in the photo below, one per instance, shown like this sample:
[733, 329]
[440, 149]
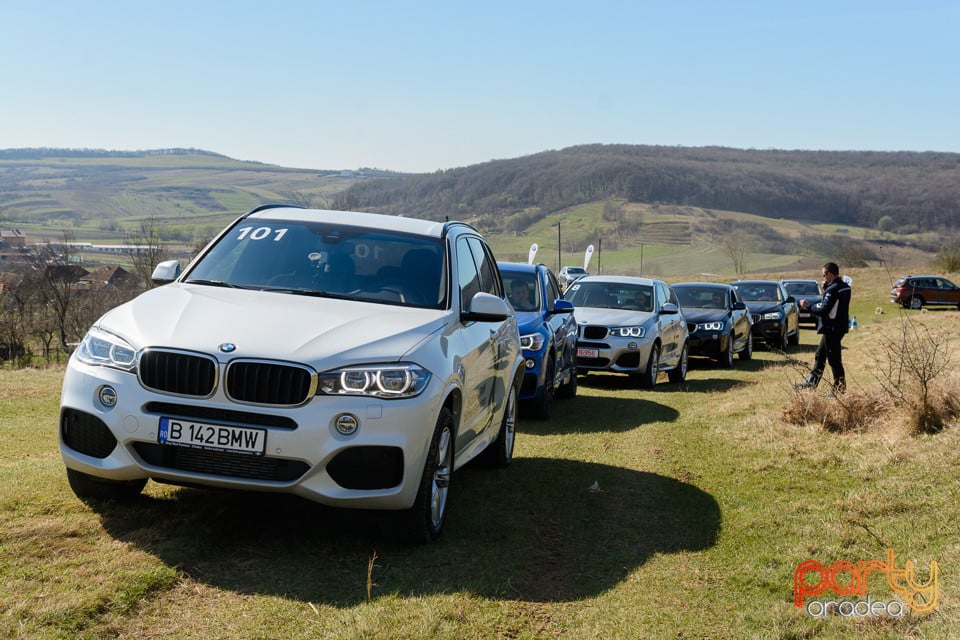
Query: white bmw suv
[353, 359]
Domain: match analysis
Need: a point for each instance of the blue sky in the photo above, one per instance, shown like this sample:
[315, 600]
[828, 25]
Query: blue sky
[422, 86]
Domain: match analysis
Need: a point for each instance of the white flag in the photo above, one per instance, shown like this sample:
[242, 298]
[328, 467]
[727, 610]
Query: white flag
[587, 256]
[533, 253]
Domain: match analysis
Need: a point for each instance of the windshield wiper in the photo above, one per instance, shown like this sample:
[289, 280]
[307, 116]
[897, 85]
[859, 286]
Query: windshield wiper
[312, 293]
[214, 283]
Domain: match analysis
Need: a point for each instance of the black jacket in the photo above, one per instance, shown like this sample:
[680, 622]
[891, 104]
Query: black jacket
[833, 312]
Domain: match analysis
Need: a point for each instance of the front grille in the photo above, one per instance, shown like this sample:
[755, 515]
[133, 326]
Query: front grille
[275, 383]
[221, 463]
[593, 332]
[179, 372]
[86, 433]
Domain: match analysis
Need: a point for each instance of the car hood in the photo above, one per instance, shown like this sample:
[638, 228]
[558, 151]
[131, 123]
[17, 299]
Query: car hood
[612, 317]
[763, 307]
[704, 315]
[529, 321]
[271, 325]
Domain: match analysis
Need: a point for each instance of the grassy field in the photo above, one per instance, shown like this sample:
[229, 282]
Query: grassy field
[677, 512]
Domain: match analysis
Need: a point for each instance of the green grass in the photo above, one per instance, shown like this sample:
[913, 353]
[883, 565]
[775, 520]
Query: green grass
[680, 511]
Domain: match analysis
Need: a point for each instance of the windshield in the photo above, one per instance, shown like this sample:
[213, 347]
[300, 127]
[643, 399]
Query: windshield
[759, 292]
[522, 290]
[608, 295]
[802, 288]
[702, 297]
[328, 260]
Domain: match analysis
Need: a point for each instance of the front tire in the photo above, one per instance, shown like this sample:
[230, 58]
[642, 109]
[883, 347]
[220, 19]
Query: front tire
[424, 521]
[87, 487]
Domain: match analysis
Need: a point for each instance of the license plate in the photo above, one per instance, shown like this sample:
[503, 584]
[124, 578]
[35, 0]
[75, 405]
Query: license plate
[587, 353]
[220, 437]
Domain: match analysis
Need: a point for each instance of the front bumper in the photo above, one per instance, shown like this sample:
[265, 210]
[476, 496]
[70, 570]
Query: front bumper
[377, 467]
[533, 375]
[619, 355]
[770, 331]
[711, 344]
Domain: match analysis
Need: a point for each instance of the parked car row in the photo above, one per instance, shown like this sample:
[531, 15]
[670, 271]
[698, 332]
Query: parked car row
[358, 360]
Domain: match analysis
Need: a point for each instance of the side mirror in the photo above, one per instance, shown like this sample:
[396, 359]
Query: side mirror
[486, 307]
[166, 271]
[562, 306]
[739, 306]
[669, 308]
[790, 299]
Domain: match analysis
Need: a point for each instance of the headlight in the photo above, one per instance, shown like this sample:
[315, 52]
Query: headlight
[379, 381]
[532, 342]
[627, 332]
[710, 326]
[773, 315]
[104, 349]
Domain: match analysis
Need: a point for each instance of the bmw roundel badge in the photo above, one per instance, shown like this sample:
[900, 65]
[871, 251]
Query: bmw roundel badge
[228, 347]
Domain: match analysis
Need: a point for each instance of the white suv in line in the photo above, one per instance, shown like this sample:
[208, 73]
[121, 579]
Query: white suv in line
[353, 359]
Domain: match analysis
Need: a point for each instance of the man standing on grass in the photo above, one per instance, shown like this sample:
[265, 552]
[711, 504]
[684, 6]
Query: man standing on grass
[833, 320]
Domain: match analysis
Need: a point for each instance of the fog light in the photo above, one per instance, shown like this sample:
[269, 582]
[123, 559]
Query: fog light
[530, 364]
[346, 424]
[107, 396]
[632, 346]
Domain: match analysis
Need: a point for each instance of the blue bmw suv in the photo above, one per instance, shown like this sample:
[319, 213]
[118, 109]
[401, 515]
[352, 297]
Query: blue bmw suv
[548, 335]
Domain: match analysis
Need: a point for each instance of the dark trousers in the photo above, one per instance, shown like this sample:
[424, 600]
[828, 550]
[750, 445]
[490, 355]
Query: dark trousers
[829, 352]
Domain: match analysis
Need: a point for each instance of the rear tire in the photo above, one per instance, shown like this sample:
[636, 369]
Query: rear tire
[87, 487]
[747, 352]
[648, 379]
[679, 372]
[423, 522]
[543, 404]
[726, 358]
[569, 388]
[916, 302]
[499, 453]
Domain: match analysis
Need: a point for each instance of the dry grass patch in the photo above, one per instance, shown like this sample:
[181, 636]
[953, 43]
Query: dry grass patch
[852, 412]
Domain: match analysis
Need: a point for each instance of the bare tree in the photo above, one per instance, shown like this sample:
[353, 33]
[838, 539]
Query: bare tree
[908, 365]
[148, 249]
[736, 244]
[57, 288]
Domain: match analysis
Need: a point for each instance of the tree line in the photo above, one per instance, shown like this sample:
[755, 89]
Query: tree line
[908, 191]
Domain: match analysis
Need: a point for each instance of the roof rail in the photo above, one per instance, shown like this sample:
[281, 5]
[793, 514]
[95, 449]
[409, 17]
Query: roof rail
[276, 205]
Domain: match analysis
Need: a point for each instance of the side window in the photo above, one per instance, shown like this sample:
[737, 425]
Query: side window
[663, 295]
[467, 274]
[486, 267]
[553, 289]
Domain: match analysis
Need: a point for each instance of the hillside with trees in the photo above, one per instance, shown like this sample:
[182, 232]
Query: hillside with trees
[903, 192]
